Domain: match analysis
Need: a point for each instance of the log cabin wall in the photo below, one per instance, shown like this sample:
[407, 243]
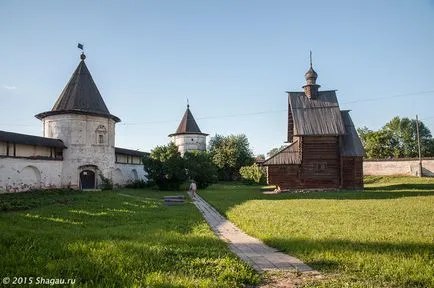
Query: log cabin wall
[352, 172]
[284, 176]
[290, 124]
[320, 167]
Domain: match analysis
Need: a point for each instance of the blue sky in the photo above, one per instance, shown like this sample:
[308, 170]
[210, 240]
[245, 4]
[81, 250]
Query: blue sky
[233, 60]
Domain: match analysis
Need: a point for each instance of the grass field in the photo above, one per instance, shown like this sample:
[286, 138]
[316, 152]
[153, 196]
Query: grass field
[125, 238]
[381, 237]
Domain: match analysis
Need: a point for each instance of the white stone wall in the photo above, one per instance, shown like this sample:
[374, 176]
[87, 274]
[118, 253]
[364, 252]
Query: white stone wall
[398, 167]
[81, 135]
[20, 174]
[189, 142]
[127, 173]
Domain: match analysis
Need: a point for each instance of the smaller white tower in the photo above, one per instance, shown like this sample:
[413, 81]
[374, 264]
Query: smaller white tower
[188, 136]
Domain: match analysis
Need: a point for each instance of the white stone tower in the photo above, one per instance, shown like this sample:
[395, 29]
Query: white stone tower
[82, 121]
[188, 136]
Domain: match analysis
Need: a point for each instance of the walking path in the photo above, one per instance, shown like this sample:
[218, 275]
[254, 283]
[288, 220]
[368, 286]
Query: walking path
[251, 250]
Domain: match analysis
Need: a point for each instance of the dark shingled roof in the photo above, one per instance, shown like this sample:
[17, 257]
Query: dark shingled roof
[351, 144]
[288, 155]
[30, 140]
[80, 96]
[129, 152]
[316, 117]
[188, 125]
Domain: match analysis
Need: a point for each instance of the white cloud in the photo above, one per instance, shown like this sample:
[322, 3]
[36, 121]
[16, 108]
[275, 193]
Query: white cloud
[9, 87]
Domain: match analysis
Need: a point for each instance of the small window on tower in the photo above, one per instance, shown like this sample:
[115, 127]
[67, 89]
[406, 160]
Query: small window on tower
[101, 134]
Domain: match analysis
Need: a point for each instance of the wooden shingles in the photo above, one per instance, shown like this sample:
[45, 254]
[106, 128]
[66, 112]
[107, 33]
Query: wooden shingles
[351, 144]
[288, 155]
[316, 117]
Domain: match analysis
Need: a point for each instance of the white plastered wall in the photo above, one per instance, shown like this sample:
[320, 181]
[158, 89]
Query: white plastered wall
[20, 174]
[189, 142]
[127, 173]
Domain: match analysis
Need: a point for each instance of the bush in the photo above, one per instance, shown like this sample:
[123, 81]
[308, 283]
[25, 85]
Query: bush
[200, 168]
[253, 174]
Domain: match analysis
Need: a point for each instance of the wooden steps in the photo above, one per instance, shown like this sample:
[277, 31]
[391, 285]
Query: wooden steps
[174, 200]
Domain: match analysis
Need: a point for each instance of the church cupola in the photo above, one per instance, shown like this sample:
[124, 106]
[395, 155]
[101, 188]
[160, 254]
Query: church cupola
[311, 88]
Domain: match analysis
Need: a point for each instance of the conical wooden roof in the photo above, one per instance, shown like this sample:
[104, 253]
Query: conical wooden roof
[80, 96]
[188, 125]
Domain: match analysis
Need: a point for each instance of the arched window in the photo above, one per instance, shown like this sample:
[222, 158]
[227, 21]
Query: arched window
[101, 135]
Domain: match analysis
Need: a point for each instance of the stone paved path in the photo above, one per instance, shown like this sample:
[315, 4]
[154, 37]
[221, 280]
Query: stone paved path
[251, 250]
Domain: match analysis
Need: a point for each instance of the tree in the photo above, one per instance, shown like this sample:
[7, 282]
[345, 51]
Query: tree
[229, 154]
[274, 151]
[165, 167]
[404, 132]
[200, 168]
[378, 144]
[398, 138]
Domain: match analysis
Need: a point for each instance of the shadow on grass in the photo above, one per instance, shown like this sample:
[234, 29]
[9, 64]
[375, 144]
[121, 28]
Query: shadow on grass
[122, 241]
[161, 262]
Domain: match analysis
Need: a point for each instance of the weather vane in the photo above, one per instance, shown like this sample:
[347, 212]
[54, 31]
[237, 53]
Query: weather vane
[80, 46]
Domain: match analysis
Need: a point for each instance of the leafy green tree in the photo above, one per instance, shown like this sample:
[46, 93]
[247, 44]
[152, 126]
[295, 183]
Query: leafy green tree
[404, 133]
[200, 168]
[229, 154]
[165, 167]
[253, 174]
[378, 144]
[398, 138]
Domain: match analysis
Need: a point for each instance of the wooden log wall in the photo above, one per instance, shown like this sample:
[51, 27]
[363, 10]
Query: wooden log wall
[284, 176]
[290, 124]
[352, 172]
[320, 166]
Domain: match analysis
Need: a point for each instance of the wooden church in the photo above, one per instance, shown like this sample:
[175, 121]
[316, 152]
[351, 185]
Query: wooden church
[324, 150]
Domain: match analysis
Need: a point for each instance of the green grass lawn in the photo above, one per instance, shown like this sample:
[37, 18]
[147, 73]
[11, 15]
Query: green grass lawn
[125, 238]
[380, 237]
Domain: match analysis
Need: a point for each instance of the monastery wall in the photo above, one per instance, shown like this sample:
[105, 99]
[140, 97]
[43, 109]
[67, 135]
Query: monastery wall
[128, 173]
[20, 174]
[408, 167]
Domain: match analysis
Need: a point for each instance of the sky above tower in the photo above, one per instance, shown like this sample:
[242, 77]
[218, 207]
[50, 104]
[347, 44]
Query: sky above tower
[233, 60]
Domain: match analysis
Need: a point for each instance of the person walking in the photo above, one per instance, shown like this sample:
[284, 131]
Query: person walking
[193, 188]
